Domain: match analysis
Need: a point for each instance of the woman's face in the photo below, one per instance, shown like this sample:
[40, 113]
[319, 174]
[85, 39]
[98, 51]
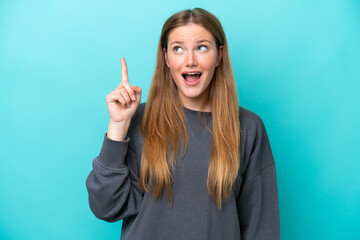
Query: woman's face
[192, 57]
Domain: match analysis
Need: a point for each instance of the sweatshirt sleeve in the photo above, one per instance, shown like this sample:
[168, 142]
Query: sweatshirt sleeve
[113, 183]
[257, 204]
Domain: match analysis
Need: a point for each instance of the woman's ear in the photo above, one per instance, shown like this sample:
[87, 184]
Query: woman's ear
[220, 55]
[165, 56]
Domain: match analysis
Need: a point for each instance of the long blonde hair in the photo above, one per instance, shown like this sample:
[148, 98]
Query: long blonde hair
[163, 124]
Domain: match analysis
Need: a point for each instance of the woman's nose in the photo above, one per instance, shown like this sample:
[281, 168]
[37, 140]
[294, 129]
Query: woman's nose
[191, 60]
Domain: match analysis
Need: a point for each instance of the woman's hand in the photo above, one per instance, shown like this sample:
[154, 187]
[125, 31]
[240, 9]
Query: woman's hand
[122, 104]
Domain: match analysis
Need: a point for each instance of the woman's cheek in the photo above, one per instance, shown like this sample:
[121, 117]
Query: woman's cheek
[175, 62]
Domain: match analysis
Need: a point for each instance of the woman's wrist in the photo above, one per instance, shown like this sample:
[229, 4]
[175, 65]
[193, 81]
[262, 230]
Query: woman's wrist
[117, 131]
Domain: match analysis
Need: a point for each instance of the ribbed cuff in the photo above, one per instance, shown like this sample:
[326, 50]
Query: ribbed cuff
[113, 153]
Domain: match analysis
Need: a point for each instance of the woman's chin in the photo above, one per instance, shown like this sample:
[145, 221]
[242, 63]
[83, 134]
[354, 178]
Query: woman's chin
[191, 96]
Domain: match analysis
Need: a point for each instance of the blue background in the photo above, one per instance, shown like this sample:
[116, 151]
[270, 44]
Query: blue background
[296, 65]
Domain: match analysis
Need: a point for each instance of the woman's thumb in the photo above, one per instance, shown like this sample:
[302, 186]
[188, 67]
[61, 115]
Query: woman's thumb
[137, 91]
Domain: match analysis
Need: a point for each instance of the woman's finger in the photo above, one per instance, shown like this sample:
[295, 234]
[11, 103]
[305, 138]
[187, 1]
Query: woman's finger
[111, 97]
[121, 100]
[120, 90]
[136, 89]
[125, 79]
[124, 72]
[129, 90]
[124, 93]
[117, 97]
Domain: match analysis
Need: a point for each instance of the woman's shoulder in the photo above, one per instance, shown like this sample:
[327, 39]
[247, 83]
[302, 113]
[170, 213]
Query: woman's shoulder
[249, 119]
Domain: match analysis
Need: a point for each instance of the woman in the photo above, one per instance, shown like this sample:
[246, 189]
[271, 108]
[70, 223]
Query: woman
[180, 166]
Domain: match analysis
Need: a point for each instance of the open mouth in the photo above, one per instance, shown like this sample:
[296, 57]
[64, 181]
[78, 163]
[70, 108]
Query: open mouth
[192, 76]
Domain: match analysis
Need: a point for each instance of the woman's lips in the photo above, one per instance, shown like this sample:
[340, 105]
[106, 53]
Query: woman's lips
[192, 78]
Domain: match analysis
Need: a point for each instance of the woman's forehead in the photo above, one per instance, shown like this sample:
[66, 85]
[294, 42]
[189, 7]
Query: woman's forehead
[189, 33]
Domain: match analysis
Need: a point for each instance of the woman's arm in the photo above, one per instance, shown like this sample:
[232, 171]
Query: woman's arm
[113, 183]
[257, 203]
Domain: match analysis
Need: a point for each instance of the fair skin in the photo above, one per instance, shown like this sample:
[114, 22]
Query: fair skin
[191, 51]
[122, 104]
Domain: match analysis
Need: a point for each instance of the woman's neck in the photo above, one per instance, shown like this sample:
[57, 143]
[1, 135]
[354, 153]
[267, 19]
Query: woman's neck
[201, 103]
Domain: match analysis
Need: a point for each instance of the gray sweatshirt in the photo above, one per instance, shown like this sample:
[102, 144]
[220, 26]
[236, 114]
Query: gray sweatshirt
[251, 213]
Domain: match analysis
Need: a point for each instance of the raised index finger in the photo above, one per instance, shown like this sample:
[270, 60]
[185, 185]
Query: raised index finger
[124, 72]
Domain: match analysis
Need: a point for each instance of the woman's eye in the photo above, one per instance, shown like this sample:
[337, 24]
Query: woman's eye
[202, 48]
[178, 49]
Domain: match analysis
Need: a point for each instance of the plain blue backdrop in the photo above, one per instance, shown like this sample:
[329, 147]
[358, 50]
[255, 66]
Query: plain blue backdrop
[296, 64]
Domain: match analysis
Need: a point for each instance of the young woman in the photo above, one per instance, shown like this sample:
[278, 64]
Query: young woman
[190, 163]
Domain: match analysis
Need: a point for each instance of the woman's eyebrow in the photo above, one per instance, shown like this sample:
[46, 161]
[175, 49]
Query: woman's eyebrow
[199, 41]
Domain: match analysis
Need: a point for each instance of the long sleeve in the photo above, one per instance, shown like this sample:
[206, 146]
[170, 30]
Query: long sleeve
[257, 204]
[113, 183]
